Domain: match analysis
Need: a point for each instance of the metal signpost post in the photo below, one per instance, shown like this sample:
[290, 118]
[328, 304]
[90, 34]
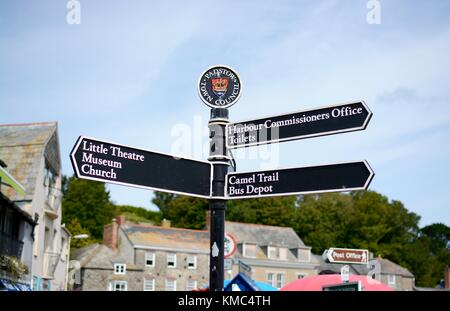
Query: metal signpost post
[219, 87]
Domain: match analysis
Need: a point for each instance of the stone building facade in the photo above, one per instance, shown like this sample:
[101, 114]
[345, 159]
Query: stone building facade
[276, 255]
[32, 155]
[156, 258]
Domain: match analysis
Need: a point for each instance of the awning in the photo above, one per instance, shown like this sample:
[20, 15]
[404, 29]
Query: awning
[7, 285]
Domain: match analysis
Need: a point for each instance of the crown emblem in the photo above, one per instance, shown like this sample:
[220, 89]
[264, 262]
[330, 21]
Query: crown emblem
[219, 86]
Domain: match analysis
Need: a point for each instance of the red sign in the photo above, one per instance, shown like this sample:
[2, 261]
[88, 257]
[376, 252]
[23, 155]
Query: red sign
[346, 255]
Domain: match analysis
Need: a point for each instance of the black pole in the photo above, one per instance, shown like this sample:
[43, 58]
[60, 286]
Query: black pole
[218, 157]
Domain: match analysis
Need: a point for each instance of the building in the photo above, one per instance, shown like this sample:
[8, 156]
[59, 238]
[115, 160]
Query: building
[392, 274]
[16, 238]
[101, 268]
[151, 258]
[276, 255]
[32, 155]
[381, 269]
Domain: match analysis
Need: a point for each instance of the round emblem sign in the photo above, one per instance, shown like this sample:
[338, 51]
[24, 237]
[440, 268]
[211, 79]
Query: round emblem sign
[229, 245]
[219, 87]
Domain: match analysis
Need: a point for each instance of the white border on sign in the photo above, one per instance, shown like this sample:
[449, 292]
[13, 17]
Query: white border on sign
[343, 285]
[369, 179]
[232, 238]
[229, 68]
[352, 129]
[75, 167]
[331, 259]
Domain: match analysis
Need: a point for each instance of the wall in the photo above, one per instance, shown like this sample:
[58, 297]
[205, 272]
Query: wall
[181, 273]
[99, 279]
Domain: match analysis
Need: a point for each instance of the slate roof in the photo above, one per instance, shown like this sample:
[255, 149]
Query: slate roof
[21, 148]
[174, 238]
[99, 256]
[389, 267]
[336, 267]
[386, 267]
[264, 235]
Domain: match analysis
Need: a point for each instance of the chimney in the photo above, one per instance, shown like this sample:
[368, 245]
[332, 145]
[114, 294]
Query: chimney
[208, 220]
[121, 220]
[110, 234]
[165, 223]
[447, 277]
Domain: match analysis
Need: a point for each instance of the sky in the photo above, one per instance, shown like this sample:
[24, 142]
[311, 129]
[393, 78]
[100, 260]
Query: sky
[128, 73]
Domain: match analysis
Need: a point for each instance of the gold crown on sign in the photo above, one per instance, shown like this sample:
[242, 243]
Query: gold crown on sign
[220, 84]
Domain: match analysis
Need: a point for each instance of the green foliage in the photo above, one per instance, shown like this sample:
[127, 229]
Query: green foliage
[87, 202]
[138, 214]
[13, 266]
[187, 212]
[75, 228]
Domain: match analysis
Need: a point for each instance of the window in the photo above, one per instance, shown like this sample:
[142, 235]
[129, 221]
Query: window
[275, 279]
[391, 279]
[120, 286]
[304, 254]
[280, 280]
[277, 252]
[171, 260]
[171, 285]
[149, 259]
[191, 285]
[149, 285]
[120, 268]
[272, 252]
[250, 250]
[192, 262]
[301, 276]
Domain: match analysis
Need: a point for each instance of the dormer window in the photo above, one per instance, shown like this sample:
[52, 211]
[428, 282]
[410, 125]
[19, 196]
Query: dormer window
[120, 268]
[278, 253]
[249, 250]
[304, 254]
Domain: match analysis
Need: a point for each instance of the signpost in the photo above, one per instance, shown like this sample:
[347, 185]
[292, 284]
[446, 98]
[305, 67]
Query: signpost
[220, 87]
[301, 180]
[118, 164]
[329, 120]
[348, 256]
[344, 287]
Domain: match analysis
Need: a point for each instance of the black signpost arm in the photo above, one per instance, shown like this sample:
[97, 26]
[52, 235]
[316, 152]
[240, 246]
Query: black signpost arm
[218, 157]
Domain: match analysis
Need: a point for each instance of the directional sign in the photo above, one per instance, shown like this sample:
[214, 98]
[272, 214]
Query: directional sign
[344, 287]
[301, 180]
[348, 256]
[118, 164]
[303, 124]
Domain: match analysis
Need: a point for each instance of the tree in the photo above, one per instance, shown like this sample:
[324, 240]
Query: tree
[75, 228]
[88, 203]
[187, 212]
[163, 200]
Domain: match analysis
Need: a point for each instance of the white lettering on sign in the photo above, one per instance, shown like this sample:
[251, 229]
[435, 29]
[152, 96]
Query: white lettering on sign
[248, 132]
[252, 185]
[94, 154]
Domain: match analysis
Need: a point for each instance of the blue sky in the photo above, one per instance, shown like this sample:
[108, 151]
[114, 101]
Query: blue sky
[128, 74]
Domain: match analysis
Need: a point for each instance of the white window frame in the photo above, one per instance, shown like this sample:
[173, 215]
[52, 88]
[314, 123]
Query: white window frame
[391, 279]
[114, 283]
[191, 288]
[304, 249]
[174, 285]
[117, 268]
[148, 257]
[244, 250]
[152, 282]
[174, 260]
[274, 281]
[194, 262]
[269, 249]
